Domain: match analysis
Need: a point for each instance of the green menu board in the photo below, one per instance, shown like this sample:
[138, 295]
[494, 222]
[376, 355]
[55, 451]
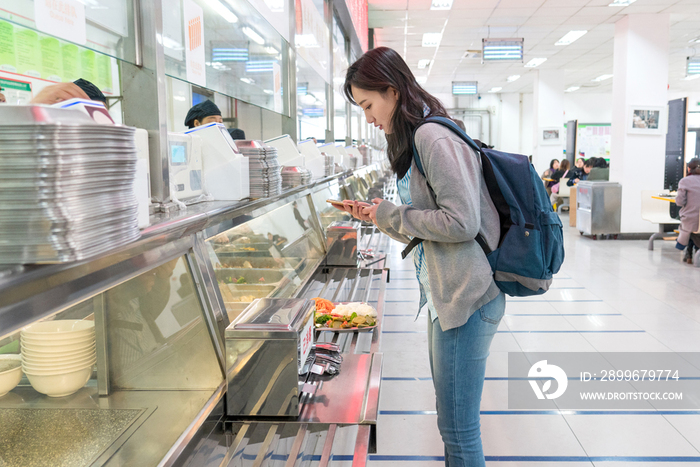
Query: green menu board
[71, 63]
[8, 60]
[104, 72]
[51, 66]
[28, 52]
[87, 65]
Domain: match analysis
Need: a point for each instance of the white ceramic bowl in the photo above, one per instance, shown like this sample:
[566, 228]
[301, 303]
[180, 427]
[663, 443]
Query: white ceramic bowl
[44, 364]
[56, 342]
[58, 348]
[9, 378]
[57, 370]
[62, 384]
[59, 329]
[56, 354]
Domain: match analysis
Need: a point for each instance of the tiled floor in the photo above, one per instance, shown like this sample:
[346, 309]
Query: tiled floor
[609, 296]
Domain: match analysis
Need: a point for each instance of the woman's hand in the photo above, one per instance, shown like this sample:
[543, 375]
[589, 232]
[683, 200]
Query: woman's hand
[371, 211]
[354, 208]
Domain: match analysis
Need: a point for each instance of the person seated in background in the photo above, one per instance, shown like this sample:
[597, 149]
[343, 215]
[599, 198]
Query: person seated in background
[688, 198]
[547, 174]
[236, 133]
[599, 171]
[80, 89]
[202, 114]
[581, 175]
[579, 163]
[563, 172]
[460, 124]
[2, 96]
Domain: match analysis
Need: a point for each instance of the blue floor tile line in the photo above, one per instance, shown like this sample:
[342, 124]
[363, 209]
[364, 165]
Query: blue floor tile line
[408, 458]
[552, 412]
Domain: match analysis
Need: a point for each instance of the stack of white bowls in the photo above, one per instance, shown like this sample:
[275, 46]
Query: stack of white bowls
[58, 356]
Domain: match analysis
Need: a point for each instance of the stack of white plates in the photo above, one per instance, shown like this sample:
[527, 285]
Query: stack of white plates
[328, 166]
[66, 185]
[264, 168]
[293, 176]
[58, 356]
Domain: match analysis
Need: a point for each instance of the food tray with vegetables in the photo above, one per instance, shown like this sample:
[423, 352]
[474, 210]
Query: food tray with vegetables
[251, 276]
[344, 317]
[258, 263]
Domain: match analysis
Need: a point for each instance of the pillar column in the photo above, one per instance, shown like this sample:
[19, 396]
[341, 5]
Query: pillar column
[509, 140]
[548, 112]
[640, 78]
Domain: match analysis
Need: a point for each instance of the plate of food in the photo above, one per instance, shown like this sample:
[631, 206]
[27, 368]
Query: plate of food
[345, 316]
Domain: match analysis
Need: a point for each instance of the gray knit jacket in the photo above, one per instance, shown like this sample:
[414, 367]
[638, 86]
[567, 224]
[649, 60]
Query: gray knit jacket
[448, 219]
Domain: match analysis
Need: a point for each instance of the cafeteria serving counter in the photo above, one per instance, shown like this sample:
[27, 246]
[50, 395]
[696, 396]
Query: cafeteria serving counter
[160, 307]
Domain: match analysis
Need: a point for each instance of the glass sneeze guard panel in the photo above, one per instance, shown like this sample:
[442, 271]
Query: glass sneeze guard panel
[158, 337]
[155, 335]
[268, 256]
[327, 213]
[105, 26]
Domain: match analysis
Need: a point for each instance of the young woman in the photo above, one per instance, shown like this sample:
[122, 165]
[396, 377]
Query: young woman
[447, 208]
[563, 172]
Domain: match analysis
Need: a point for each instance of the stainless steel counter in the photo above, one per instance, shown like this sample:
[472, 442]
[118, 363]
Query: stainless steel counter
[105, 428]
[185, 426]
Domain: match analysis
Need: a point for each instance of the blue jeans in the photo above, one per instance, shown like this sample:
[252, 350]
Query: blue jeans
[458, 365]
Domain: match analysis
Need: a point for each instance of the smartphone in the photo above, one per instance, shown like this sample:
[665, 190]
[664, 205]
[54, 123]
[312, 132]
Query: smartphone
[335, 202]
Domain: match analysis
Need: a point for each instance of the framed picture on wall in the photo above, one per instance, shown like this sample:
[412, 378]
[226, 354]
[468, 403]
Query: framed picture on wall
[646, 120]
[551, 135]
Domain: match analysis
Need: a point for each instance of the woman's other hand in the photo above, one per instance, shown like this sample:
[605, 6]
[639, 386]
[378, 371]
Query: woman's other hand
[371, 211]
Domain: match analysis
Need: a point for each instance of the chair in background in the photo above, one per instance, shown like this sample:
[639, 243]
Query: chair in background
[564, 193]
[656, 212]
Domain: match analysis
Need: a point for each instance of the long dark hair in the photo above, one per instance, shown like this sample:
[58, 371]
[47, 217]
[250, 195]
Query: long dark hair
[378, 70]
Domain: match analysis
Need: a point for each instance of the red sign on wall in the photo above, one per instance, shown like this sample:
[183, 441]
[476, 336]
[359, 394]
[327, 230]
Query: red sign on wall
[358, 13]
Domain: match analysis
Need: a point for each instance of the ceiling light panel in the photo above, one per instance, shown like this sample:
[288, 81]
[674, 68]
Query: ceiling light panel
[431, 39]
[512, 78]
[570, 37]
[692, 66]
[502, 49]
[441, 4]
[464, 88]
[254, 36]
[421, 79]
[423, 64]
[535, 62]
[573, 88]
[622, 2]
[601, 78]
[496, 89]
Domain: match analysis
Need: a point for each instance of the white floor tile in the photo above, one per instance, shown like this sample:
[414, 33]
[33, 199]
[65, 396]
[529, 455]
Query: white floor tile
[504, 342]
[678, 340]
[497, 364]
[584, 307]
[407, 395]
[688, 426]
[518, 308]
[538, 323]
[410, 364]
[664, 321]
[601, 323]
[405, 323]
[564, 342]
[625, 342]
[409, 435]
[629, 435]
[528, 435]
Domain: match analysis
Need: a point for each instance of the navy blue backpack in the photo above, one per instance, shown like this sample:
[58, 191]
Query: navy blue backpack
[531, 246]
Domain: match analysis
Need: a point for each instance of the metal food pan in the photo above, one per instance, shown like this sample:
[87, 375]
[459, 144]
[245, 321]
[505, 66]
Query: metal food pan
[260, 263]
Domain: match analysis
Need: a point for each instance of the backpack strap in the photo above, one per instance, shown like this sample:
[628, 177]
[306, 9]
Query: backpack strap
[476, 146]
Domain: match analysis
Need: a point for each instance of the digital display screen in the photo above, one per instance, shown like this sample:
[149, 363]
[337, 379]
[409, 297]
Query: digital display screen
[178, 154]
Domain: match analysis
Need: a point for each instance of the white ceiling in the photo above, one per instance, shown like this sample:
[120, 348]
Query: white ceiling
[400, 24]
